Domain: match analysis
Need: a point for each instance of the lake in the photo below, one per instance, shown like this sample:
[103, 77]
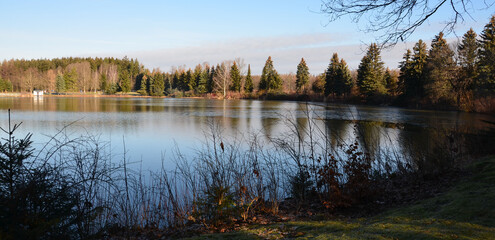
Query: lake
[153, 127]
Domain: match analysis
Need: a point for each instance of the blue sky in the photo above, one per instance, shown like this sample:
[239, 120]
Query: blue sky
[174, 33]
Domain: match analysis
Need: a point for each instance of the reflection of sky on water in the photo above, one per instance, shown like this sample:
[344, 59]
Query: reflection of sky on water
[152, 126]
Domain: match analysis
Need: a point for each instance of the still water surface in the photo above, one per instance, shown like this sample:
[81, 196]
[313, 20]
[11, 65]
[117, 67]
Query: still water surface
[151, 127]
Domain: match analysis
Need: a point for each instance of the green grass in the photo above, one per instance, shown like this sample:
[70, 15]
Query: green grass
[466, 211]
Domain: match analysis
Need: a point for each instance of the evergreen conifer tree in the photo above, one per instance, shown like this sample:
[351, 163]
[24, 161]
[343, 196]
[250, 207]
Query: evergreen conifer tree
[6, 85]
[318, 85]
[144, 85]
[468, 60]
[440, 69]
[391, 81]
[405, 75]
[248, 84]
[270, 80]
[370, 72]
[331, 74]
[124, 80]
[413, 72]
[203, 80]
[302, 76]
[487, 58]
[235, 78]
[60, 84]
[343, 82]
[157, 85]
[210, 83]
[176, 80]
[196, 77]
[103, 83]
[70, 78]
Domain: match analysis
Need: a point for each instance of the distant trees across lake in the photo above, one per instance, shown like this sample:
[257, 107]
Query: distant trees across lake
[460, 76]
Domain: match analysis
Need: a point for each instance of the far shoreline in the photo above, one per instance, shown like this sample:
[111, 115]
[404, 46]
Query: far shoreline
[257, 96]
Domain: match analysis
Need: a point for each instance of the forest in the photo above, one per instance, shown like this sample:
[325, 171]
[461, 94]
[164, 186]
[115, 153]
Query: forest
[458, 76]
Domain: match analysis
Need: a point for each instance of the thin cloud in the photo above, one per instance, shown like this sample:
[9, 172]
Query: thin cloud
[286, 52]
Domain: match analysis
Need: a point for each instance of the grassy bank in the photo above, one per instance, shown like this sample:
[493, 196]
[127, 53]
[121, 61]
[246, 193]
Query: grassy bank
[466, 211]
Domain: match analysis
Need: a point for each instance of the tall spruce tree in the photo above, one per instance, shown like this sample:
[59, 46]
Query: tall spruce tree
[468, 60]
[370, 72]
[302, 76]
[405, 75]
[203, 80]
[440, 70]
[176, 80]
[103, 82]
[270, 80]
[413, 72]
[318, 85]
[143, 88]
[60, 84]
[391, 81]
[248, 84]
[124, 80]
[343, 82]
[331, 74]
[235, 78]
[487, 58]
[196, 77]
[70, 78]
[210, 83]
[157, 85]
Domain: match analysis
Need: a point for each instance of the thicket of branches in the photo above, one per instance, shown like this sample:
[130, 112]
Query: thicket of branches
[396, 20]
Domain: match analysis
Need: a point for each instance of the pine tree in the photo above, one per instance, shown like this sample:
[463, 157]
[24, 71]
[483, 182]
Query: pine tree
[124, 80]
[168, 82]
[343, 82]
[405, 75]
[103, 82]
[487, 58]
[157, 84]
[331, 74]
[6, 85]
[302, 76]
[70, 78]
[318, 85]
[210, 83]
[188, 83]
[440, 69]
[248, 84]
[235, 78]
[468, 60]
[144, 85]
[270, 80]
[196, 75]
[60, 84]
[175, 80]
[413, 72]
[391, 81]
[370, 72]
[203, 80]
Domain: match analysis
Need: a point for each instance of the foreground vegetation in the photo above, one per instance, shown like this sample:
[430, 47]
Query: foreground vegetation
[448, 77]
[465, 211]
[73, 188]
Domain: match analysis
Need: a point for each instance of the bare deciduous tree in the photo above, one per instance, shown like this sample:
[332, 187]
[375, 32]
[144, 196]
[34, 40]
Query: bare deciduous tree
[398, 19]
[222, 77]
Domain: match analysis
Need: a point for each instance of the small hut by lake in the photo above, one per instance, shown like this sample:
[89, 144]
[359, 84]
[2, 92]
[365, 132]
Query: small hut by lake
[38, 93]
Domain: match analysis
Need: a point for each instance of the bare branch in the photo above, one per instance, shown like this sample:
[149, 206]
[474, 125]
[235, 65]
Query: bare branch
[396, 20]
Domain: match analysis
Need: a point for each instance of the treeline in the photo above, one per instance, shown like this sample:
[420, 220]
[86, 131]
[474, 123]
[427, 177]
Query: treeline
[460, 75]
[457, 75]
[70, 74]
